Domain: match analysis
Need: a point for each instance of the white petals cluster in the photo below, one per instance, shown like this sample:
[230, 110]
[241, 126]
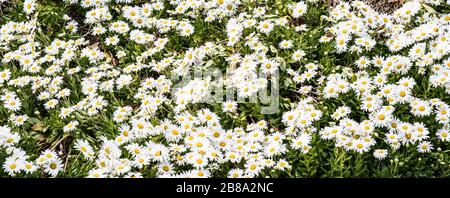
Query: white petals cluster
[358, 28]
[130, 86]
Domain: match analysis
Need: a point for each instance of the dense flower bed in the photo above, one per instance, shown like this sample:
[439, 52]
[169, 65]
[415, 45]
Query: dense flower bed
[224, 88]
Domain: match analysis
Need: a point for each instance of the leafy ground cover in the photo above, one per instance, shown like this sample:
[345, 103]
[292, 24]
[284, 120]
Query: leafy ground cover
[224, 88]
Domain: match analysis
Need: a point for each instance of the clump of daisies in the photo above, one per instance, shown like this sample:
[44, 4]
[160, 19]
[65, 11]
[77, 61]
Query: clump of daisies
[383, 93]
[129, 88]
[18, 161]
